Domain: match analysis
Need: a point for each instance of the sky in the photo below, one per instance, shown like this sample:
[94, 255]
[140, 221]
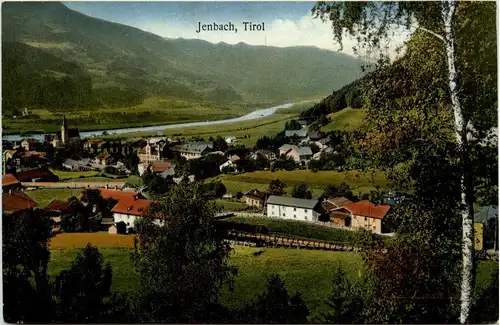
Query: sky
[286, 23]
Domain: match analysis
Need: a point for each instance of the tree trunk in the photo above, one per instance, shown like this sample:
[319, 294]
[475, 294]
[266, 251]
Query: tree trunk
[448, 10]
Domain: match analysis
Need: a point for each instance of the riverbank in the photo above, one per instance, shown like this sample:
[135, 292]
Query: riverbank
[158, 128]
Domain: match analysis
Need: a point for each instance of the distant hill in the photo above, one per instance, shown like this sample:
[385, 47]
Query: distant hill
[112, 64]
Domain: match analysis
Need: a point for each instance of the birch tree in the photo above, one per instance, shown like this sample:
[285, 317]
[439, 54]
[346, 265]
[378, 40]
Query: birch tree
[372, 24]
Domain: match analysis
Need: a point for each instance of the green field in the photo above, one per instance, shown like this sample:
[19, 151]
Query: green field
[154, 110]
[65, 175]
[304, 270]
[348, 119]
[231, 205]
[358, 181]
[45, 196]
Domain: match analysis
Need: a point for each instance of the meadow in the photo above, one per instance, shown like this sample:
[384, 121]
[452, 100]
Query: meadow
[348, 119]
[152, 111]
[306, 271]
[359, 182]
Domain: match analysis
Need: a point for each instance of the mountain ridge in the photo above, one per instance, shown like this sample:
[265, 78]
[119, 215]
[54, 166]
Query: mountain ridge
[122, 58]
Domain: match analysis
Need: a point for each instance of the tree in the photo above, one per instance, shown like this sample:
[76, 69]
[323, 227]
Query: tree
[182, 264]
[470, 85]
[155, 184]
[77, 218]
[220, 144]
[346, 301]
[301, 192]
[82, 289]
[275, 306]
[276, 187]
[25, 257]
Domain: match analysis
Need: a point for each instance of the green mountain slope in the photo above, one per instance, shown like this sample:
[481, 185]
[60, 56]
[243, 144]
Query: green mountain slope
[128, 64]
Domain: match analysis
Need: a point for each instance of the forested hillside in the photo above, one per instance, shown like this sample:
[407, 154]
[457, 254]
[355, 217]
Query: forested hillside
[121, 65]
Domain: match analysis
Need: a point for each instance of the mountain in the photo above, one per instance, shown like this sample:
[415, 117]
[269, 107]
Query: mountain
[118, 64]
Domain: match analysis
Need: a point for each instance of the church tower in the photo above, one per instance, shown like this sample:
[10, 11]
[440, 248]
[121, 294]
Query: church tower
[64, 131]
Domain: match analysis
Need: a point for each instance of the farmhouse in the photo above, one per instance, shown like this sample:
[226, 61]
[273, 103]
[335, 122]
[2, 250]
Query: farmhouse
[361, 215]
[195, 150]
[161, 168]
[131, 210]
[335, 203]
[269, 155]
[255, 198]
[301, 155]
[292, 208]
[285, 148]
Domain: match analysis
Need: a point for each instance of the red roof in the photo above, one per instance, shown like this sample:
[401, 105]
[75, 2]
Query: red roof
[58, 205]
[131, 206]
[16, 201]
[117, 195]
[9, 179]
[34, 174]
[160, 167]
[367, 209]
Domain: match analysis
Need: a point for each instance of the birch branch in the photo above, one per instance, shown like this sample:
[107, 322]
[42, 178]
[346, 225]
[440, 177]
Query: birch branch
[432, 33]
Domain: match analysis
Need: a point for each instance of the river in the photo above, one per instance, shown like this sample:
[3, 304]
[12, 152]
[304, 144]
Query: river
[88, 134]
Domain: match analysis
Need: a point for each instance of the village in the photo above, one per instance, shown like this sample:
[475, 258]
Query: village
[32, 165]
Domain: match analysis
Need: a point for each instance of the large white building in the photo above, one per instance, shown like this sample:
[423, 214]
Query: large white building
[291, 208]
[131, 210]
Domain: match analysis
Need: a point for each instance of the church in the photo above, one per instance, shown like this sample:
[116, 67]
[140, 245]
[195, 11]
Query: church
[64, 137]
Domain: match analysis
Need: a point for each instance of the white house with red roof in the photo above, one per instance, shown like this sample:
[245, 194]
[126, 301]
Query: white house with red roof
[129, 210]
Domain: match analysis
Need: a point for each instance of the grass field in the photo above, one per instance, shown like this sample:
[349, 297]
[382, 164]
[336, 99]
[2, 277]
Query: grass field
[302, 270]
[65, 175]
[231, 205]
[154, 110]
[358, 181]
[348, 119]
[45, 196]
[253, 129]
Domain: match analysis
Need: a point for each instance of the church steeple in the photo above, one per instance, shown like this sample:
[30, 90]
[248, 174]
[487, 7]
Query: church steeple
[64, 131]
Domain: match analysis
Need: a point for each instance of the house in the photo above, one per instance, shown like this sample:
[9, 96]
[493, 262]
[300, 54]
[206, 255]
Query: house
[150, 153]
[231, 139]
[115, 195]
[163, 168]
[285, 207]
[82, 165]
[9, 181]
[269, 155]
[314, 135]
[295, 133]
[58, 207]
[130, 210]
[93, 145]
[227, 164]
[303, 123]
[335, 203]
[190, 179]
[30, 144]
[15, 201]
[255, 198]
[37, 175]
[55, 209]
[195, 150]
[104, 159]
[360, 215]
[302, 155]
[322, 143]
[285, 148]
